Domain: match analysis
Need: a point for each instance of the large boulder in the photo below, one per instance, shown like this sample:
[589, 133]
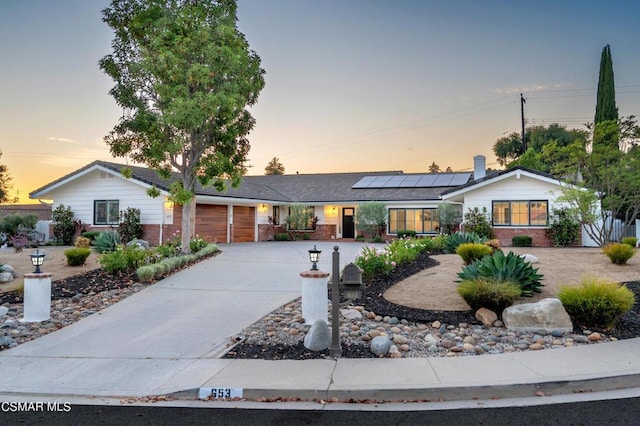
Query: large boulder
[318, 337]
[380, 345]
[10, 269]
[548, 315]
[5, 277]
[140, 244]
[486, 316]
[529, 258]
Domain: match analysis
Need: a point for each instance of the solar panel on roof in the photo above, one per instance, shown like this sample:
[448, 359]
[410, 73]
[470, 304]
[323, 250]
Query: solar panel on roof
[413, 181]
[379, 181]
[364, 182]
[426, 181]
[394, 182]
[460, 179]
[443, 179]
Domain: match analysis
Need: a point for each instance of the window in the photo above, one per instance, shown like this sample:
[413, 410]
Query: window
[106, 212]
[423, 221]
[520, 213]
[275, 218]
[302, 219]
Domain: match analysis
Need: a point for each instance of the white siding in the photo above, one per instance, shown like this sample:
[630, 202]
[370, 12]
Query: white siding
[512, 189]
[83, 191]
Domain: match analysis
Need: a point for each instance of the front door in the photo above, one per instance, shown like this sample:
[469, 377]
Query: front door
[348, 226]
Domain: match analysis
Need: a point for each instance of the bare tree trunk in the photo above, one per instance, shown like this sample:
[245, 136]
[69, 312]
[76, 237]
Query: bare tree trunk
[188, 224]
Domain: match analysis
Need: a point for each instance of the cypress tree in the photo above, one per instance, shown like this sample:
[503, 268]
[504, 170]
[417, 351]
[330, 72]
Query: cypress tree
[606, 98]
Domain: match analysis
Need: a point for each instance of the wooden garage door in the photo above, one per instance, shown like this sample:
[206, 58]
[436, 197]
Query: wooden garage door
[211, 222]
[243, 224]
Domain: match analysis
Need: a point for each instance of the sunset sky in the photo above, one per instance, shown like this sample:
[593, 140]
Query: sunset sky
[351, 85]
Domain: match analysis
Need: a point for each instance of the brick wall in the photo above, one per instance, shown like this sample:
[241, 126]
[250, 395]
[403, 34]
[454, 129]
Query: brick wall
[43, 211]
[539, 239]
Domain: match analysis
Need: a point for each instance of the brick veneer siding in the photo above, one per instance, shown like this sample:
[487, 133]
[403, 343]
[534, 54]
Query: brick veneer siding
[539, 239]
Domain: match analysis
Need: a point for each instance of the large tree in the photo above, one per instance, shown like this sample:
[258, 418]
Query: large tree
[274, 167]
[184, 76]
[5, 184]
[606, 109]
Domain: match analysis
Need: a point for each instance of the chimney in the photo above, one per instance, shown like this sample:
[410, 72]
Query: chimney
[479, 167]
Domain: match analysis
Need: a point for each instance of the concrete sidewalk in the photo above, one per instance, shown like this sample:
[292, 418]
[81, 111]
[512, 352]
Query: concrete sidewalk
[166, 339]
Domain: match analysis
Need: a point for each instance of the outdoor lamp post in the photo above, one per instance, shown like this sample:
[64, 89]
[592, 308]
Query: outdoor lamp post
[314, 257]
[37, 259]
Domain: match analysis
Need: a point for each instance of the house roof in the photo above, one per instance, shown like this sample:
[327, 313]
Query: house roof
[303, 188]
[497, 176]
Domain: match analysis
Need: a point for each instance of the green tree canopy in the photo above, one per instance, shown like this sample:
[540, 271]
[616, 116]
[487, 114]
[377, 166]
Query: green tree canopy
[371, 217]
[5, 184]
[606, 109]
[184, 76]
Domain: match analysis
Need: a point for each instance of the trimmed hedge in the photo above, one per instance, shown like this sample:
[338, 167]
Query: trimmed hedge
[521, 241]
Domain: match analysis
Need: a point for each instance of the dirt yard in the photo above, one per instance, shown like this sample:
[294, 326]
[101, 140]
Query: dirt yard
[435, 288]
[55, 262]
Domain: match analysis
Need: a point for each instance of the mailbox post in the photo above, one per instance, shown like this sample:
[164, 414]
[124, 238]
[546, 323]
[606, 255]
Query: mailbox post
[351, 282]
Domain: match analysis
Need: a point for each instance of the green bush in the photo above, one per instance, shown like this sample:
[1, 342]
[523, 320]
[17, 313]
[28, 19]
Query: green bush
[373, 262]
[476, 221]
[63, 226]
[437, 243]
[106, 241]
[452, 241]
[489, 294]
[306, 236]
[130, 227]
[469, 252]
[596, 302]
[77, 256]
[145, 273]
[128, 258]
[563, 229]
[15, 223]
[619, 253]
[521, 241]
[500, 267]
[208, 250]
[630, 241]
[281, 236]
[406, 233]
[197, 243]
[91, 235]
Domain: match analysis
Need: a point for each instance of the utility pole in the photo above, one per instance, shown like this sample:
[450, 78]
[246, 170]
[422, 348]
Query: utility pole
[524, 142]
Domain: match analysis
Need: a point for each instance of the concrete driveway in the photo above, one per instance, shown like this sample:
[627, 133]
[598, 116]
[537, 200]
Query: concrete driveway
[156, 339]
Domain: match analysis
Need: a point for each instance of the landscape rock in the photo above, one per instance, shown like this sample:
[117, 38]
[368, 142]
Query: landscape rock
[351, 314]
[9, 268]
[5, 277]
[548, 315]
[318, 337]
[486, 316]
[380, 345]
[5, 341]
[141, 244]
[3, 311]
[529, 258]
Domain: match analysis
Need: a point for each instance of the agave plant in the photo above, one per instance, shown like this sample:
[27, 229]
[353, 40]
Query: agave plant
[454, 240]
[500, 267]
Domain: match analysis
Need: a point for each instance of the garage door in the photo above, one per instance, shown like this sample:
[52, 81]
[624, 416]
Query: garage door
[244, 224]
[211, 222]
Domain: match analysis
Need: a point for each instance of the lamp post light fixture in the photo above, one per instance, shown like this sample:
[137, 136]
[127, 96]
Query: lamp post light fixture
[314, 257]
[37, 259]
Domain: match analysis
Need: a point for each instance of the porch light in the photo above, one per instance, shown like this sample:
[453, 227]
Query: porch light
[37, 259]
[314, 257]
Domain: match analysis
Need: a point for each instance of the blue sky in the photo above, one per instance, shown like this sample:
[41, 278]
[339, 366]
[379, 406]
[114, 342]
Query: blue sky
[351, 85]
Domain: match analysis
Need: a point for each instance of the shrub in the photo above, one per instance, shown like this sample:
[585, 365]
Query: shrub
[77, 256]
[469, 252]
[406, 233]
[521, 241]
[197, 243]
[64, 226]
[437, 243]
[596, 302]
[281, 236]
[371, 218]
[306, 236]
[208, 250]
[145, 273]
[106, 241]
[489, 294]
[91, 235]
[630, 241]
[113, 262]
[619, 253]
[500, 267]
[563, 229]
[130, 228]
[494, 245]
[373, 262]
[449, 217]
[15, 223]
[452, 241]
[476, 221]
[83, 242]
